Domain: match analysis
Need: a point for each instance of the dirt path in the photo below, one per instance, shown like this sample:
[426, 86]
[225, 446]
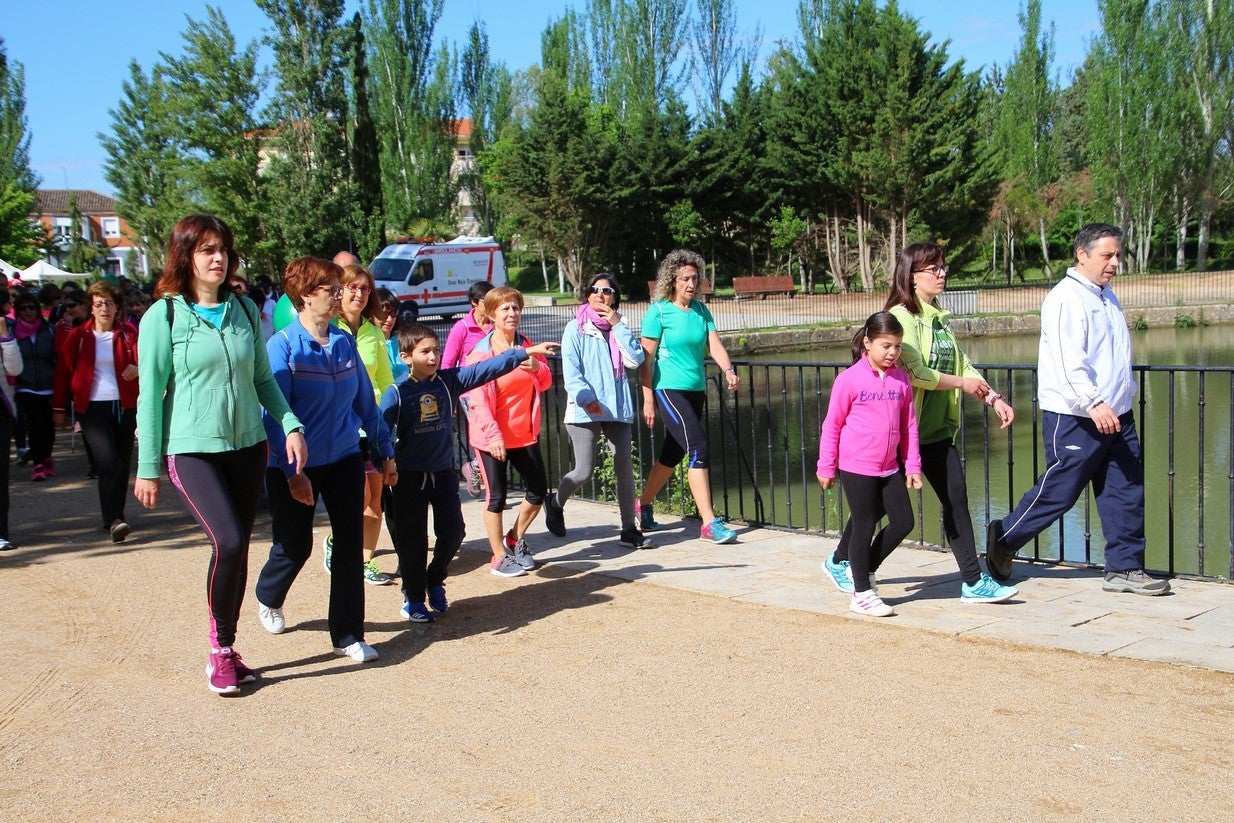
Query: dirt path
[560, 696]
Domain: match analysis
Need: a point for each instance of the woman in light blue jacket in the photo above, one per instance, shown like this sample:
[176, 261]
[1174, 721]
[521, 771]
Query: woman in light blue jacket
[596, 349]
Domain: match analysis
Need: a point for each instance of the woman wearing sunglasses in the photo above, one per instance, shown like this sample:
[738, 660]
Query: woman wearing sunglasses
[596, 349]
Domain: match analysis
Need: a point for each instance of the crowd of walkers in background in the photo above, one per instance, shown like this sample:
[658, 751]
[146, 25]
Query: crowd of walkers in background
[230, 389]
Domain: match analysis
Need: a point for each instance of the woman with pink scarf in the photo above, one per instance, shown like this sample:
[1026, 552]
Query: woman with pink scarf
[596, 349]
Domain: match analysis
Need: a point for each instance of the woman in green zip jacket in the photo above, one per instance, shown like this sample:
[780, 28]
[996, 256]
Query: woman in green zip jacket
[204, 378]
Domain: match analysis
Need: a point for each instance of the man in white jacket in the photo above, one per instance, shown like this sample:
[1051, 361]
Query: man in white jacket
[1086, 390]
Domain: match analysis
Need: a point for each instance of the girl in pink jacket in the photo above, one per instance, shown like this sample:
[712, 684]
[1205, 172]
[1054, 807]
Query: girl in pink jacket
[870, 436]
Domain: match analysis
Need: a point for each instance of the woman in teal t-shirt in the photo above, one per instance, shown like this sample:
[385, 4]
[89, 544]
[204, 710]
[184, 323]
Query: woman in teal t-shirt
[678, 332]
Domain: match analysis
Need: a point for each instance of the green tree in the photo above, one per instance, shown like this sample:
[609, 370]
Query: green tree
[413, 91]
[308, 211]
[551, 174]
[19, 238]
[487, 94]
[1024, 125]
[146, 164]
[212, 91]
[729, 181]
[83, 256]
[368, 208]
[1204, 46]
[1131, 144]
[718, 51]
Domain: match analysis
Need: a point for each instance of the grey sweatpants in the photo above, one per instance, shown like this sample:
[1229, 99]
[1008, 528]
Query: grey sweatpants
[583, 438]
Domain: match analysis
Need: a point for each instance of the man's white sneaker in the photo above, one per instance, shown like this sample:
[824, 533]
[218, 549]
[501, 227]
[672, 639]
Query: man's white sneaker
[271, 619]
[359, 651]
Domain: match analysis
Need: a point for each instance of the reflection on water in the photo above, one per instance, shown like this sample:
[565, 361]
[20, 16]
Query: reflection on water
[1183, 419]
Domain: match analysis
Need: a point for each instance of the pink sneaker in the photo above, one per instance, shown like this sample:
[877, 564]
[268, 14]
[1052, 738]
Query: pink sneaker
[221, 674]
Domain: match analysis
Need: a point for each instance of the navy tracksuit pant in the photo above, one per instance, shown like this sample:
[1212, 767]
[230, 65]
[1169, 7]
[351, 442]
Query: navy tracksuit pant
[1077, 454]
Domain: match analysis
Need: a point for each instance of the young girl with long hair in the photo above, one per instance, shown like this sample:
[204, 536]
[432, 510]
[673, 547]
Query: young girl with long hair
[869, 438]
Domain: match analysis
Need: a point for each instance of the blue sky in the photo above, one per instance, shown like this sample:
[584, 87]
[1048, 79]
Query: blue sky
[76, 63]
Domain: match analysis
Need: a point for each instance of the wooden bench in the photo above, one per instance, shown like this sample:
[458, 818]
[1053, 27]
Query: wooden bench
[763, 285]
[704, 290]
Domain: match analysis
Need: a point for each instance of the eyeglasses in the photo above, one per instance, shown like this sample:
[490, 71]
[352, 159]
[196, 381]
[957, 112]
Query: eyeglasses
[602, 290]
[332, 291]
[104, 304]
[71, 305]
[358, 288]
[936, 271]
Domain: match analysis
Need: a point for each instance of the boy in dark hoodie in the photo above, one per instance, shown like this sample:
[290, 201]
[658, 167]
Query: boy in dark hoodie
[419, 412]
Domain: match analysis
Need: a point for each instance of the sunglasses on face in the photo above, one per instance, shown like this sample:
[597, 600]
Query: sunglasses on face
[70, 305]
[602, 290]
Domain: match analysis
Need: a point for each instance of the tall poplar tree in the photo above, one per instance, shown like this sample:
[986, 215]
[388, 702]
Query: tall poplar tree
[368, 208]
[213, 88]
[1129, 139]
[1024, 123]
[718, 51]
[1205, 47]
[412, 91]
[146, 163]
[18, 238]
[309, 209]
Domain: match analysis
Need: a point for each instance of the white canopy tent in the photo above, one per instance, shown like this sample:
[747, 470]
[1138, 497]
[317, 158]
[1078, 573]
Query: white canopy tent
[42, 270]
[8, 269]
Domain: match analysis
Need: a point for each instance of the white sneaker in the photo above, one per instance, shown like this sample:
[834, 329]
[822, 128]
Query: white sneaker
[359, 651]
[271, 619]
[869, 603]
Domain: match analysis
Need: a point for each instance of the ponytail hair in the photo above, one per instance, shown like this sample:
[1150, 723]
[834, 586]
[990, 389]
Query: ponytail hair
[877, 325]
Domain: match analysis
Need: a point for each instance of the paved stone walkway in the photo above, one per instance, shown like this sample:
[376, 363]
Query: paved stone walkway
[1057, 607]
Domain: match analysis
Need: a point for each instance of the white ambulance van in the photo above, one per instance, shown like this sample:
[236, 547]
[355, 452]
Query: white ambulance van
[433, 278]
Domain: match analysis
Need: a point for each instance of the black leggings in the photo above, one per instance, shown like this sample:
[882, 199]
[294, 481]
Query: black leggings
[940, 463]
[869, 498]
[221, 490]
[108, 428]
[681, 412]
[40, 429]
[530, 464]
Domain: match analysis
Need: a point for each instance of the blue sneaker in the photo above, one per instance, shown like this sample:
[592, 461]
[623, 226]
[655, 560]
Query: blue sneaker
[717, 532]
[416, 612]
[646, 516]
[840, 573]
[986, 590]
[437, 597]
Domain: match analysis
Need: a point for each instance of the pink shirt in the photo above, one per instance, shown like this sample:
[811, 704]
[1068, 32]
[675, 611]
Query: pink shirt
[462, 339]
[871, 425]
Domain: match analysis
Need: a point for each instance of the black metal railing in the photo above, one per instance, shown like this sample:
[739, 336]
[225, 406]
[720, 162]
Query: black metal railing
[765, 446]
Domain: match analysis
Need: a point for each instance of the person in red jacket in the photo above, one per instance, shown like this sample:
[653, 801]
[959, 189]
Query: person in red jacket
[97, 364]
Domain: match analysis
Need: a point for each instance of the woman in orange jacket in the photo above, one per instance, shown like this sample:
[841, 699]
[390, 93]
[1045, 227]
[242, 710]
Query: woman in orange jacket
[505, 426]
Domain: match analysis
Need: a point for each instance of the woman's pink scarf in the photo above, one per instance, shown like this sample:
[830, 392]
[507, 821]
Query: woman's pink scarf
[586, 314]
